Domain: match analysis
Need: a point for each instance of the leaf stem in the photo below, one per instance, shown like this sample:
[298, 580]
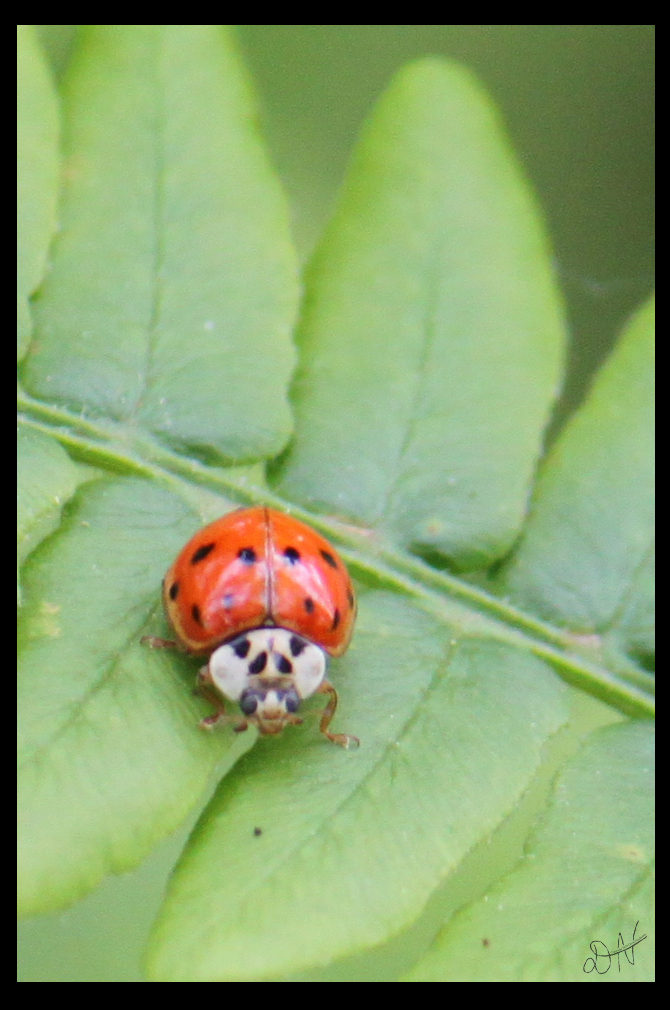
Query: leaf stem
[124, 448]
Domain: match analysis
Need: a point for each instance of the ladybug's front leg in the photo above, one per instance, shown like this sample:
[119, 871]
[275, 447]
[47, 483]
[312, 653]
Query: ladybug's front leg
[343, 739]
[160, 643]
[206, 689]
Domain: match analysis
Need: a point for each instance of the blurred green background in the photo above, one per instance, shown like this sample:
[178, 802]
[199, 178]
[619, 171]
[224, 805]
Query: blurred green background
[578, 104]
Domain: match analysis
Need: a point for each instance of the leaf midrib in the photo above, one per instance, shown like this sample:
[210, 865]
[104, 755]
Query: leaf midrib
[391, 746]
[624, 601]
[428, 339]
[76, 709]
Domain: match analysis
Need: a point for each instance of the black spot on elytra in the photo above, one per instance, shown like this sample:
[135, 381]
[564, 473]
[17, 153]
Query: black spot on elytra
[350, 597]
[247, 554]
[241, 648]
[292, 555]
[329, 559]
[228, 601]
[284, 665]
[202, 553]
[174, 590]
[297, 645]
[195, 613]
[336, 620]
[258, 664]
[309, 604]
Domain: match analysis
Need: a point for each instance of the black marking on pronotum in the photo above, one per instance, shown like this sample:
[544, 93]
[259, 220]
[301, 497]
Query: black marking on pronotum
[247, 554]
[309, 604]
[297, 645]
[202, 553]
[329, 559]
[292, 555]
[195, 613]
[242, 647]
[173, 591]
[350, 597]
[336, 620]
[258, 664]
[283, 664]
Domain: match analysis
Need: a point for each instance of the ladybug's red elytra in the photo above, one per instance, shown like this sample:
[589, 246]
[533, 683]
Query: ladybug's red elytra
[263, 597]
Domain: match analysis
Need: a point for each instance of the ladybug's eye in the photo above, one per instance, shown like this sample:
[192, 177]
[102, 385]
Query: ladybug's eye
[292, 701]
[248, 703]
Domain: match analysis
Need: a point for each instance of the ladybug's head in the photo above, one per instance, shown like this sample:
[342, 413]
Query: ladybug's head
[268, 671]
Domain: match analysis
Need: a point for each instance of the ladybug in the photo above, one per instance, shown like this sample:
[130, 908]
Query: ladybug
[264, 598]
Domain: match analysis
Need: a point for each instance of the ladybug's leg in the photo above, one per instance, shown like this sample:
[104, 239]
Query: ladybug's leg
[221, 718]
[329, 711]
[206, 690]
[158, 643]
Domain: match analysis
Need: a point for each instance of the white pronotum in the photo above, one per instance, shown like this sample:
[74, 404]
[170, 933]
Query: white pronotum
[268, 669]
